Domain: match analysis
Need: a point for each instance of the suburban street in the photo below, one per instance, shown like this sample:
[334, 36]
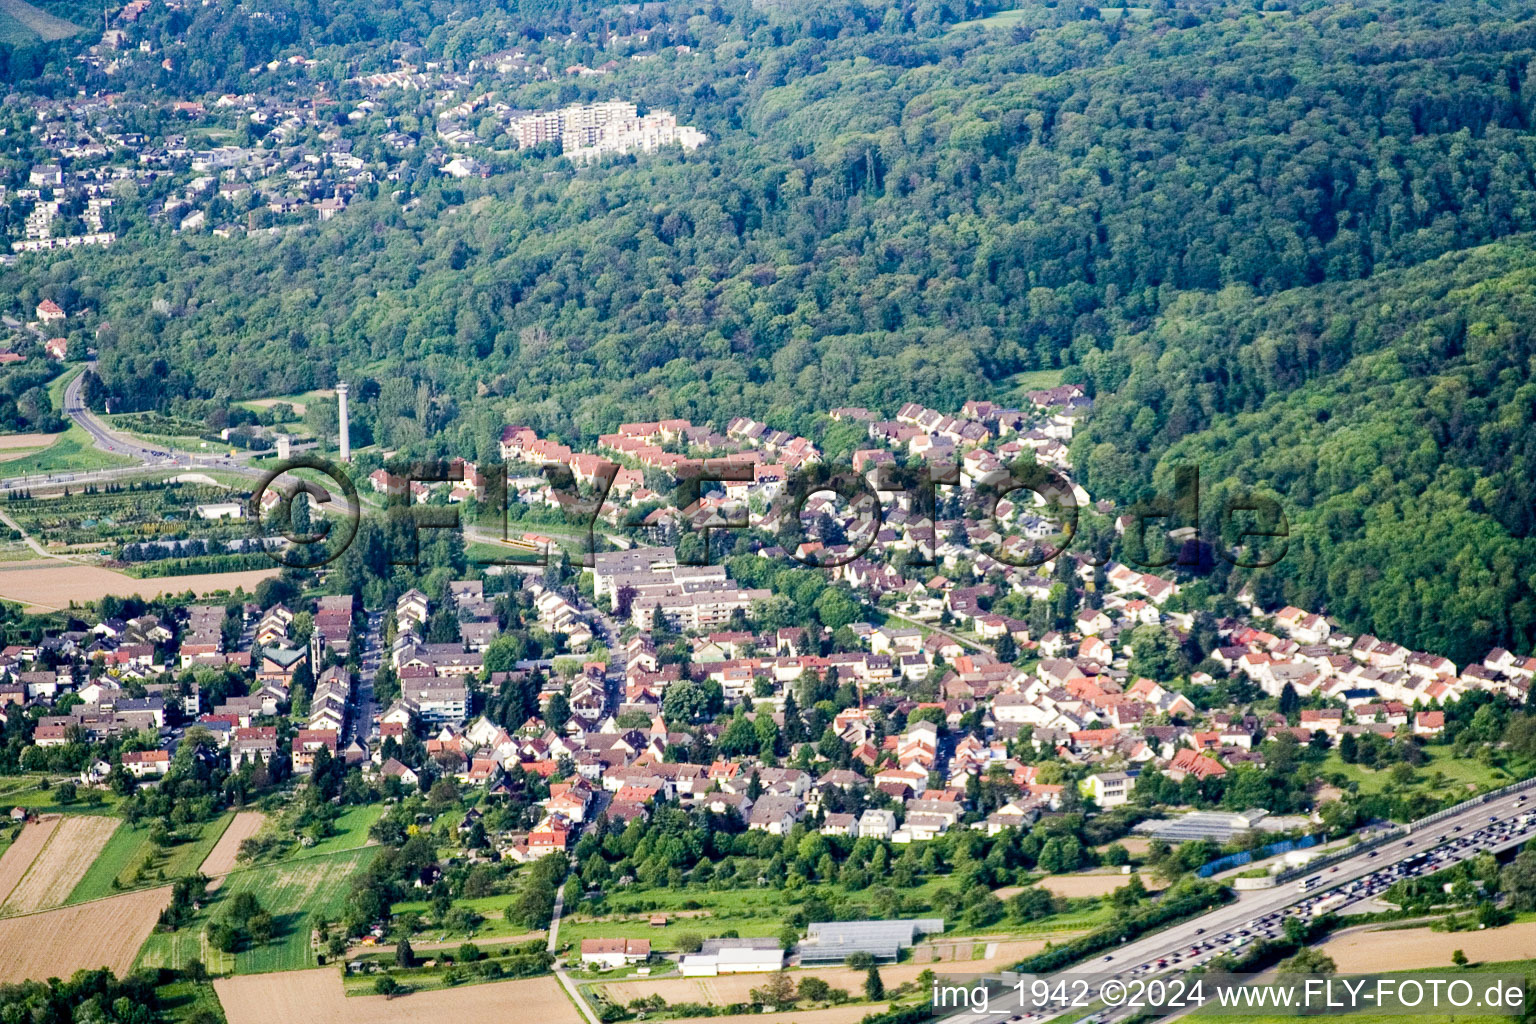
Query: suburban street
[369, 656]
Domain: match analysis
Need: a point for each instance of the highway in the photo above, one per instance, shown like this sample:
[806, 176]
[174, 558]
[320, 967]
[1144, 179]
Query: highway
[1261, 913]
[106, 440]
[103, 438]
[149, 459]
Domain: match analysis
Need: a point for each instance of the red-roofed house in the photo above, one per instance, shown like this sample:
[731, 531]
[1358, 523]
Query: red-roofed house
[1429, 723]
[1188, 762]
[147, 762]
[551, 839]
[607, 953]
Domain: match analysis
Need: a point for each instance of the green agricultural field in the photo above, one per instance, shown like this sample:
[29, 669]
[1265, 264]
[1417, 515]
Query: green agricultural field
[24, 791]
[23, 23]
[748, 912]
[13, 784]
[1463, 776]
[480, 551]
[491, 908]
[133, 862]
[1000, 20]
[294, 892]
[300, 402]
[351, 832]
[181, 1000]
[1033, 380]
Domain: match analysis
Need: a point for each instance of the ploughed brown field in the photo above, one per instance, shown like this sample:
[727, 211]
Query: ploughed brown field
[102, 933]
[315, 997]
[1409, 949]
[8, 441]
[221, 859]
[20, 854]
[60, 864]
[1081, 886]
[15, 446]
[58, 585]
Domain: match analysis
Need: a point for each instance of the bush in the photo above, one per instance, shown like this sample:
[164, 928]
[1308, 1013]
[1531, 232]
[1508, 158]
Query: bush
[815, 990]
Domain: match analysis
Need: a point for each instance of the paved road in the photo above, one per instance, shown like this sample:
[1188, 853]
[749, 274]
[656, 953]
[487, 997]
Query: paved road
[560, 975]
[1249, 907]
[371, 640]
[146, 457]
[105, 439]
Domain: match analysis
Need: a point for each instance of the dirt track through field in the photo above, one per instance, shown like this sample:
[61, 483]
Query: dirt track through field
[315, 997]
[221, 859]
[102, 933]
[60, 864]
[20, 854]
[1412, 948]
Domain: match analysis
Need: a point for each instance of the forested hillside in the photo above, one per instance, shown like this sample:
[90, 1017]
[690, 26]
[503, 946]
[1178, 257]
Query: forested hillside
[1395, 418]
[895, 211]
[1204, 210]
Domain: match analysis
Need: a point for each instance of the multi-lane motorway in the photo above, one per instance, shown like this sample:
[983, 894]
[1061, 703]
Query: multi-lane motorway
[1501, 823]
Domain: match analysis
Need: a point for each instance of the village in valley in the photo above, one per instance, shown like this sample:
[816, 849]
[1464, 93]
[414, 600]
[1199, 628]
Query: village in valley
[757, 512]
[943, 736]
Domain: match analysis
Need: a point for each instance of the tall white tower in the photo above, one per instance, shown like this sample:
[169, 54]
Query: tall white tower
[341, 416]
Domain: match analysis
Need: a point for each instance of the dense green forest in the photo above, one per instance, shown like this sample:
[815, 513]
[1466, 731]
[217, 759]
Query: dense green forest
[1249, 228]
[885, 213]
[1395, 418]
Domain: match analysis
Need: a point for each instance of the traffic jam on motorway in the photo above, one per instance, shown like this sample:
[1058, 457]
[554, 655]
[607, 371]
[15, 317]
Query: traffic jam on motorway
[1456, 846]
